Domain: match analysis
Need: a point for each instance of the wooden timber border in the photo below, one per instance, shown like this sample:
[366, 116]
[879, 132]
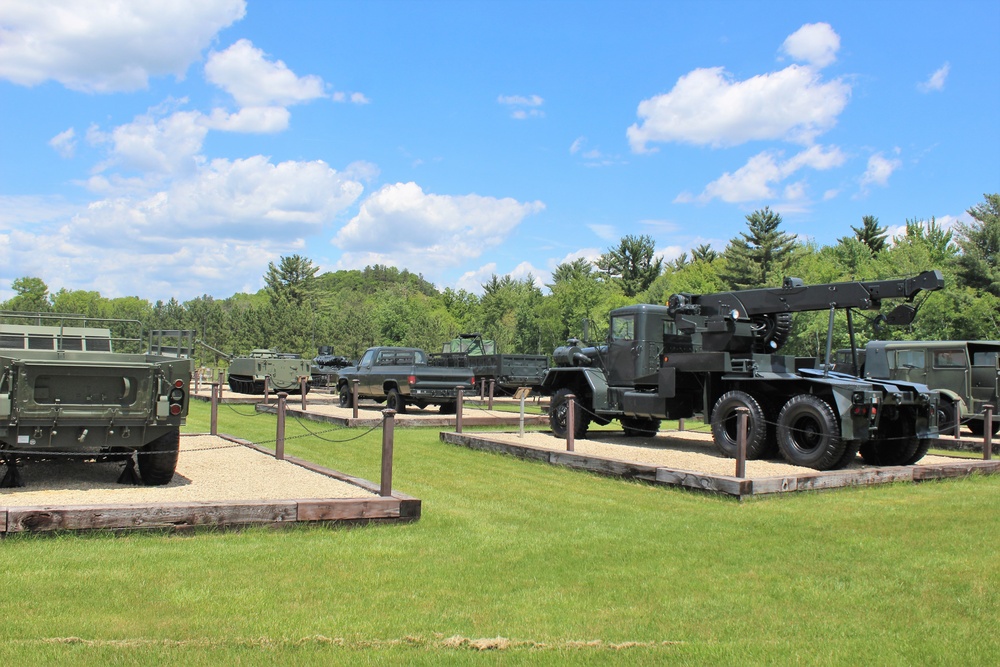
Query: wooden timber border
[395, 508]
[725, 484]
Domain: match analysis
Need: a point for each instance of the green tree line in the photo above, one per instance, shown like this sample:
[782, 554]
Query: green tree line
[300, 309]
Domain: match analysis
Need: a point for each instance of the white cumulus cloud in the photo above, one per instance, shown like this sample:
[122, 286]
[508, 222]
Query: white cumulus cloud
[402, 225]
[880, 168]
[813, 43]
[707, 107]
[936, 81]
[757, 179]
[107, 46]
[244, 72]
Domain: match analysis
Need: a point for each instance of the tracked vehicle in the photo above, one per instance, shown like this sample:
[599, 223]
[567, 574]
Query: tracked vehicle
[712, 354]
[75, 388]
[283, 372]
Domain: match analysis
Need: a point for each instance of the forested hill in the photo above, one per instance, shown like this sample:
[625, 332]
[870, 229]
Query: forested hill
[300, 309]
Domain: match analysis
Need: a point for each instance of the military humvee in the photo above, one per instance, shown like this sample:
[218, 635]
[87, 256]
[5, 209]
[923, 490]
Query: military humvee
[967, 373]
[72, 389]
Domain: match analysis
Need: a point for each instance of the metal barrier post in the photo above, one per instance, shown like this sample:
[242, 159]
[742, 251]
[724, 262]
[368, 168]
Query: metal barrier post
[216, 390]
[958, 418]
[267, 389]
[303, 390]
[520, 428]
[987, 432]
[680, 424]
[279, 440]
[570, 423]
[197, 381]
[388, 427]
[459, 400]
[355, 385]
[482, 389]
[742, 414]
[489, 406]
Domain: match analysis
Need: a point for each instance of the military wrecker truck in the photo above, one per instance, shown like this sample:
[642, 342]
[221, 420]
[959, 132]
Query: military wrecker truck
[715, 353]
[73, 387]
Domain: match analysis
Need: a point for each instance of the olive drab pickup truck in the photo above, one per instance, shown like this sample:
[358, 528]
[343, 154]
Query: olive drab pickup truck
[402, 376]
[72, 389]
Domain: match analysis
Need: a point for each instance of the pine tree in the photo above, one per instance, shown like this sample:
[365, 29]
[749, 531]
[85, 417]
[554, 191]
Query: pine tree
[871, 234]
[756, 254]
[979, 263]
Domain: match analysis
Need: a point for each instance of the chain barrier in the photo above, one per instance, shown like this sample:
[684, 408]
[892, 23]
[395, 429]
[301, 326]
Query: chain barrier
[707, 428]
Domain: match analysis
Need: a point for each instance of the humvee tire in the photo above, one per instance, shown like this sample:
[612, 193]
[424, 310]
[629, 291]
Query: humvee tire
[158, 459]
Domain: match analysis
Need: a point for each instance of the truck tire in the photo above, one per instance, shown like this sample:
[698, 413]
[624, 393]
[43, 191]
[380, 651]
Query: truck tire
[771, 331]
[640, 427]
[559, 413]
[896, 444]
[446, 408]
[158, 459]
[946, 417]
[925, 444]
[978, 427]
[395, 401]
[725, 423]
[345, 397]
[849, 455]
[808, 433]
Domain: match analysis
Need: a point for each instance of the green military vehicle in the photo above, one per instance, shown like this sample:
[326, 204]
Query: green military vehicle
[283, 372]
[712, 354]
[965, 372]
[79, 388]
[508, 371]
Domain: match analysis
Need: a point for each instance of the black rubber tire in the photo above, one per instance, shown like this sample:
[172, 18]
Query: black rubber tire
[345, 397]
[896, 444]
[158, 459]
[395, 401]
[771, 331]
[725, 422]
[446, 408]
[808, 433]
[978, 427]
[640, 427]
[558, 414]
[946, 417]
[850, 455]
[922, 447]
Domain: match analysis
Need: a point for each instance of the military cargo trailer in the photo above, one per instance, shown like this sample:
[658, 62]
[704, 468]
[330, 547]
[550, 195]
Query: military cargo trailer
[66, 391]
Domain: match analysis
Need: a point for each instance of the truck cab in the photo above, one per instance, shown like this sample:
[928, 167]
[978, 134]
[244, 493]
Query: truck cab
[967, 373]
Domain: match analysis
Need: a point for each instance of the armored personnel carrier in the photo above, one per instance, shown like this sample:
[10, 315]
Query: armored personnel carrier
[282, 370]
[79, 388]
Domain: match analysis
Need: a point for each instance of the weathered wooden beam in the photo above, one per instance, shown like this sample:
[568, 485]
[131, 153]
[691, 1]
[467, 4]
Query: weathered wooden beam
[181, 515]
[341, 509]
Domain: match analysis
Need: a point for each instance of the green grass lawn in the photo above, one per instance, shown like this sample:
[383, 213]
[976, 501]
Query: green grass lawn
[516, 562]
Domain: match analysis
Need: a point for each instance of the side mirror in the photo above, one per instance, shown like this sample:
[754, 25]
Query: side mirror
[901, 314]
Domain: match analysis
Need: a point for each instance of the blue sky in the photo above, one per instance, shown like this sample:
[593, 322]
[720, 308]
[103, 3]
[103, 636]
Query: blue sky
[173, 149]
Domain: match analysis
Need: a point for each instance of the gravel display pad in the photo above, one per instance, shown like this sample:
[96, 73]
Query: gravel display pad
[677, 450]
[209, 469]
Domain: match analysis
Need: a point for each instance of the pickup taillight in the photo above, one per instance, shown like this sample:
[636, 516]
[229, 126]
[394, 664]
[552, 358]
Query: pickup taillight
[412, 379]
